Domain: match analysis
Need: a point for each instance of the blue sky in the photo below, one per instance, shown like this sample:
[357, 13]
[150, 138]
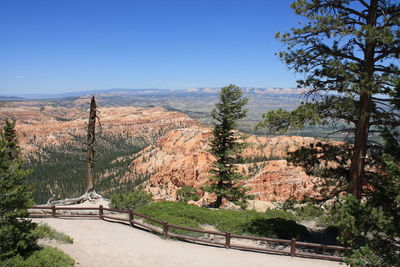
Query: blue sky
[71, 45]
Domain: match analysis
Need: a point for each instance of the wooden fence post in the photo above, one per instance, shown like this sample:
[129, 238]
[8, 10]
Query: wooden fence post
[131, 222]
[165, 230]
[53, 211]
[293, 247]
[228, 240]
[101, 212]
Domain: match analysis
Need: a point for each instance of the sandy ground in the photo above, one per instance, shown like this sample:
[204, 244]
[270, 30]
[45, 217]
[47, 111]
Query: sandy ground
[101, 243]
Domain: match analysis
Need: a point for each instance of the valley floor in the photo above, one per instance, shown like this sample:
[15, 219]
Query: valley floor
[101, 243]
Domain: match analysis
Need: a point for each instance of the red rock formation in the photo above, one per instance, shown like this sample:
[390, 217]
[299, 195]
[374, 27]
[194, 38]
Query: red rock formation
[278, 181]
[38, 126]
[181, 158]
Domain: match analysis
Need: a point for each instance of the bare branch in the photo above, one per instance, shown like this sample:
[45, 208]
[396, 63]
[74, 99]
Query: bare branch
[364, 3]
[384, 54]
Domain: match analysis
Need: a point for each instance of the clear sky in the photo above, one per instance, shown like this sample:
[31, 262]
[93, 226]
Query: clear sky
[51, 46]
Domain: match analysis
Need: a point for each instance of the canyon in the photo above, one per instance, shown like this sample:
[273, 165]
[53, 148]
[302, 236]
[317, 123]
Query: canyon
[172, 152]
[182, 158]
[41, 125]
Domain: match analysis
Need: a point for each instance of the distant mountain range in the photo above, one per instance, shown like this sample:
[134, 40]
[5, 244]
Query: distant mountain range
[159, 92]
[10, 98]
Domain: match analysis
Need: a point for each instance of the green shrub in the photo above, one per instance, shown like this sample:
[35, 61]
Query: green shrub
[46, 257]
[187, 193]
[174, 213]
[289, 204]
[270, 214]
[231, 220]
[45, 231]
[365, 256]
[182, 221]
[273, 223]
[328, 220]
[177, 209]
[131, 200]
[277, 228]
[309, 212]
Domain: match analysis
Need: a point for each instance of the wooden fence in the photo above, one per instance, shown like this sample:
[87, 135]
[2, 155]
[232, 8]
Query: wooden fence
[164, 231]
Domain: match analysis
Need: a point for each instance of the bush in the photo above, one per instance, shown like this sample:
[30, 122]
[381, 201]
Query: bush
[131, 200]
[277, 228]
[309, 212]
[280, 214]
[273, 223]
[187, 193]
[45, 231]
[46, 257]
[289, 204]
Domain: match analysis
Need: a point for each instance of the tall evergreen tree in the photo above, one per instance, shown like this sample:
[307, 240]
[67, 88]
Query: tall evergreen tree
[10, 137]
[226, 147]
[15, 198]
[348, 51]
[371, 227]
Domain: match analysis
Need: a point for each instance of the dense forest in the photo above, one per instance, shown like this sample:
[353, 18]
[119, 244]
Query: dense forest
[59, 171]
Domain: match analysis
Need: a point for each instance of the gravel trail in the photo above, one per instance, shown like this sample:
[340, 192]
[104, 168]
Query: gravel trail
[102, 243]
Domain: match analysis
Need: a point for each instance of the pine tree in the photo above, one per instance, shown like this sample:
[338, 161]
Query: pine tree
[371, 227]
[15, 198]
[225, 146]
[348, 52]
[11, 139]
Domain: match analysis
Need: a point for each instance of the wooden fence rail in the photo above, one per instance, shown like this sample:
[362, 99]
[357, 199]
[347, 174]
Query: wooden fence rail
[164, 231]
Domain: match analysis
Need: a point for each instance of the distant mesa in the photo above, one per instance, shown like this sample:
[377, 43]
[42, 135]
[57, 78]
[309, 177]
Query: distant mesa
[273, 91]
[248, 90]
[10, 98]
[192, 90]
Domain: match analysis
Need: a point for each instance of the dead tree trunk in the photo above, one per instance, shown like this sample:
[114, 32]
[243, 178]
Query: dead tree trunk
[90, 177]
[91, 137]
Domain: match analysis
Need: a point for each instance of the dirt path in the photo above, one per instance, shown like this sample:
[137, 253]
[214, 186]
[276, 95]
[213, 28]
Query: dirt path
[101, 243]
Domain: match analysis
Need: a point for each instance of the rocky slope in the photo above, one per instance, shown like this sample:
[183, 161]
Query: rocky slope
[176, 155]
[41, 124]
[52, 136]
[181, 158]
